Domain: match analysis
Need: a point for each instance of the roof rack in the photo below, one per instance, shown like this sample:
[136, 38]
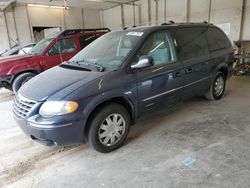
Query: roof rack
[75, 31]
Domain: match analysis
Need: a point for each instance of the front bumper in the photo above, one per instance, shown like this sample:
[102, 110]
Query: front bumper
[53, 134]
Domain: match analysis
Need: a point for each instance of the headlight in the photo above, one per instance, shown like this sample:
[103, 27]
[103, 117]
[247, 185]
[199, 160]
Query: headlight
[53, 108]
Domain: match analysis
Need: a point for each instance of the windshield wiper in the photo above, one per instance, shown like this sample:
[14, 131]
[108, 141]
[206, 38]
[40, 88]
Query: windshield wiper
[74, 65]
[83, 62]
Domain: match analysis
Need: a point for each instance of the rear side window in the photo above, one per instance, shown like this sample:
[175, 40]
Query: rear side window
[86, 40]
[190, 42]
[217, 40]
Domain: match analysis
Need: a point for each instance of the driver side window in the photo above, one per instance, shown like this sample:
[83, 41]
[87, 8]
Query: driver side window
[63, 46]
[158, 47]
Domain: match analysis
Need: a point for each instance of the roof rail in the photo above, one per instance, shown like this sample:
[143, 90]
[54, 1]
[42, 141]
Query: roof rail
[75, 31]
[169, 23]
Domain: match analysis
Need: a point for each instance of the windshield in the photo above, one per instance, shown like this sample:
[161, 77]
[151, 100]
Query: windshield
[10, 52]
[110, 50]
[41, 46]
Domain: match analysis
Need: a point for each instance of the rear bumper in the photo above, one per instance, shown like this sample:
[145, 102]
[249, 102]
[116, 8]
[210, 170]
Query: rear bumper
[53, 134]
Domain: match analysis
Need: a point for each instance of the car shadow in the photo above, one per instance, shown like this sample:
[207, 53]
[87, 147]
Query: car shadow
[143, 126]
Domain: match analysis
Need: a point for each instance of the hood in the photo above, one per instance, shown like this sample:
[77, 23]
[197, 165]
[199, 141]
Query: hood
[13, 58]
[56, 83]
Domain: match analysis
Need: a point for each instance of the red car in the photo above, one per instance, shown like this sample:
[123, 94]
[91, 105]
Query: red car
[18, 69]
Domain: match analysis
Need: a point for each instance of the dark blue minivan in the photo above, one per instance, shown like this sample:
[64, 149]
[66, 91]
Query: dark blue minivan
[120, 77]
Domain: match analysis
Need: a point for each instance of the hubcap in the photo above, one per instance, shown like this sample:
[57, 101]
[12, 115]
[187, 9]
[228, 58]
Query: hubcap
[219, 86]
[112, 129]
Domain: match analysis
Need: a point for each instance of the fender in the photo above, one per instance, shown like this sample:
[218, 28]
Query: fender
[17, 69]
[221, 66]
[26, 63]
[129, 96]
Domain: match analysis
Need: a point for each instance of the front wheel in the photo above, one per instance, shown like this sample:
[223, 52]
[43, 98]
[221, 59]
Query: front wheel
[109, 128]
[217, 88]
[21, 80]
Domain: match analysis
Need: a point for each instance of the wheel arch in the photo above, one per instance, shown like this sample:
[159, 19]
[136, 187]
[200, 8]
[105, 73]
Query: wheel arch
[123, 101]
[34, 71]
[224, 69]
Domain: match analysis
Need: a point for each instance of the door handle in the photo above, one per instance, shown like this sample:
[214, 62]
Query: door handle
[189, 70]
[177, 74]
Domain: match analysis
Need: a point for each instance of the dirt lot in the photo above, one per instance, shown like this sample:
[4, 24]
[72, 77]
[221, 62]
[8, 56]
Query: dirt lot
[216, 134]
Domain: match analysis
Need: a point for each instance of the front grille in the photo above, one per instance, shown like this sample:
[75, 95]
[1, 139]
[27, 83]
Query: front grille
[22, 106]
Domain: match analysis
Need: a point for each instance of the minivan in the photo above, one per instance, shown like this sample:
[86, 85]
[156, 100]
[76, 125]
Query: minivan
[120, 77]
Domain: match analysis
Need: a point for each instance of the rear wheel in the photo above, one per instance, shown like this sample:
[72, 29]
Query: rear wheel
[21, 80]
[217, 88]
[109, 128]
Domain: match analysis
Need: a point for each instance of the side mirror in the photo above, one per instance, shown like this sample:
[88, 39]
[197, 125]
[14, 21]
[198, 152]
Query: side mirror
[144, 61]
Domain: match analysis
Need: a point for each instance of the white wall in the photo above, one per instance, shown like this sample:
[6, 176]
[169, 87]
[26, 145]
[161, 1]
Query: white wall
[144, 11]
[91, 18]
[11, 28]
[74, 18]
[199, 10]
[23, 29]
[129, 15]
[227, 12]
[222, 12]
[246, 32]
[112, 18]
[3, 32]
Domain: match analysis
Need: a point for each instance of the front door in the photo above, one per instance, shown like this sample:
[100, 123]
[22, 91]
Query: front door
[62, 50]
[161, 84]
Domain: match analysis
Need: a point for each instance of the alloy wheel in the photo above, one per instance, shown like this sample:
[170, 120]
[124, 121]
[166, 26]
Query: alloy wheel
[219, 86]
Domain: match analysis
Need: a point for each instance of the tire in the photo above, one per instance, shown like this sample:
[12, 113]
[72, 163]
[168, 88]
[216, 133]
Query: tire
[100, 130]
[217, 88]
[21, 80]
